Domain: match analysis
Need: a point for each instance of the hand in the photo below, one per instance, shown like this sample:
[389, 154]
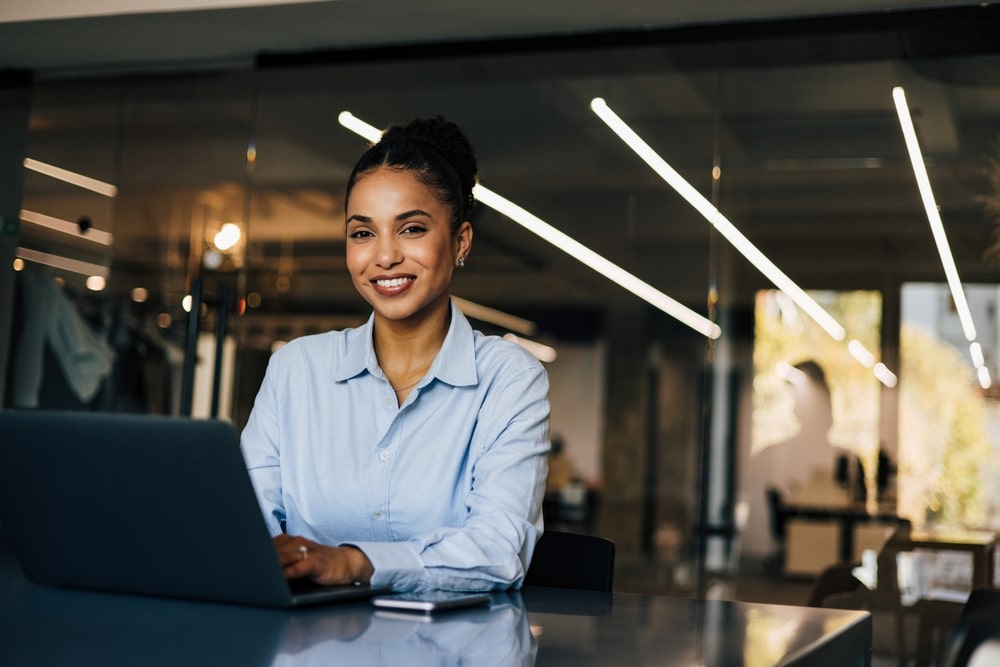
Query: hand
[323, 564]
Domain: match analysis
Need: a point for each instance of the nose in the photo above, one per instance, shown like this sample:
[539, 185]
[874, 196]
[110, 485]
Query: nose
[387, 252]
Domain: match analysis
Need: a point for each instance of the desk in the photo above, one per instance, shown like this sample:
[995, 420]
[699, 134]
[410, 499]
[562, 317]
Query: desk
[818, 536]
[540, 627]
[934, 596]
[980, 545]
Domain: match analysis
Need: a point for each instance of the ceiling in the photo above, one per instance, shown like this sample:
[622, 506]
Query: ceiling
[797, 114]
[63, 36]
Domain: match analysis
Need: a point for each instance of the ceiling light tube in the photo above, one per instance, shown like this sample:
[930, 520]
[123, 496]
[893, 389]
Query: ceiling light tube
[567, 244]
[65, 263]
[933, 215]
[733, 235]
[884, 375]
[719, 221]
[983, 374]
[66, 227]
[497, 317]
[791, 374]
[976, 352]
[859, 352]
[598, 263]
[358, 126]
[71, 177]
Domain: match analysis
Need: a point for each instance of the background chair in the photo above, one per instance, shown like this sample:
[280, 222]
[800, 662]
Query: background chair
[975, 640]
[774, 564]
[835, 580]
[572, 560]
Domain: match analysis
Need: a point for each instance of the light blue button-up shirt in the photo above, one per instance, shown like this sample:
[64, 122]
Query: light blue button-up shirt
[443, 492]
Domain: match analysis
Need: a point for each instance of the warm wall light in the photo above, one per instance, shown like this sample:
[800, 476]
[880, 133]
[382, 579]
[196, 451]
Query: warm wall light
[79, 180]
[64, 263]
[933, 215]
[66, 227]
[715, 217]
[227, 237]
[96, 283]
[497, 317]
[543, 353]
[567, 244]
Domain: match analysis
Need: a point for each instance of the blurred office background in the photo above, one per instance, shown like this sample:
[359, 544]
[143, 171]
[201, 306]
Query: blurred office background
[172, 209]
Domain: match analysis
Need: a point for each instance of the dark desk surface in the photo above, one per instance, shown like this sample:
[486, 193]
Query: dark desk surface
[544, 627]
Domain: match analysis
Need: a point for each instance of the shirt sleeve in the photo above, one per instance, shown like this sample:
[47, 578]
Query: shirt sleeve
[259, 443]
[492, 548]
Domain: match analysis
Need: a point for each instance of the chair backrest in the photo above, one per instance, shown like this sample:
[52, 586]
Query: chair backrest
[977, 633]
[776, 513]
[572, 560]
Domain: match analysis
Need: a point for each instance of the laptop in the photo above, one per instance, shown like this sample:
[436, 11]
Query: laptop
[141, 504]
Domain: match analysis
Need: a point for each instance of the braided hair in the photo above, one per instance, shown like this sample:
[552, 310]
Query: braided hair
[439, 155]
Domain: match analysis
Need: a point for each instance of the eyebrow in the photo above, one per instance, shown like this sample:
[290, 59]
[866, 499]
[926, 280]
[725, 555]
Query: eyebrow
[406, 215]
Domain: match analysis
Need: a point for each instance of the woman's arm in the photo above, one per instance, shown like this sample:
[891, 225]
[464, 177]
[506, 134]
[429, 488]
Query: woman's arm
[259, 444]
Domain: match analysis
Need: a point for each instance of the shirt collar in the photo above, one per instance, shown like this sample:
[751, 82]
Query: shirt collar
[455, 363]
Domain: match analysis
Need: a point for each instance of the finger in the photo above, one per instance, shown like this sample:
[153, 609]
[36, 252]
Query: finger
[292, 550]
[299, 569]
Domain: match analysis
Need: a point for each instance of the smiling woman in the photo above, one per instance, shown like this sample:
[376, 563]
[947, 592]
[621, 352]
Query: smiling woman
[349, 425]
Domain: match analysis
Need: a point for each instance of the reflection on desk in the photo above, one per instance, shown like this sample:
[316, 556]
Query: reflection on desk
[544, 627]
[496, 636]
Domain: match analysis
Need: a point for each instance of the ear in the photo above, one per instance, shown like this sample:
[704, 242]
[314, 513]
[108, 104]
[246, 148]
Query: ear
[463, 240]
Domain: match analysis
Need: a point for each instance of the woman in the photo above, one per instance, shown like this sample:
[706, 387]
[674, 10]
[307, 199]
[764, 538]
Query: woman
[410, 451]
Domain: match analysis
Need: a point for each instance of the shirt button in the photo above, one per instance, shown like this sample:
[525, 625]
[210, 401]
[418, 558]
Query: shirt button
[377, 514]
[388, 402]
[383, 456]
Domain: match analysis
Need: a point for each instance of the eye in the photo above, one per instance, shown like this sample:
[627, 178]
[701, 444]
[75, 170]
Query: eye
[413, 230]
[360, 233]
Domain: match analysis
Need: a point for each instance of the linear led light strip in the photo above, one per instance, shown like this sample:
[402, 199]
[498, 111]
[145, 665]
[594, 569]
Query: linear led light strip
[937, 229]
[933, 215]
[498, 317]
[65, 263]
[732, 234]
[67, 176]
[66, 227]
[567, 244]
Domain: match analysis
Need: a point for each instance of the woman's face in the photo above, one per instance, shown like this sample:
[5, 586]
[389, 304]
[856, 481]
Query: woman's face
[400, 249]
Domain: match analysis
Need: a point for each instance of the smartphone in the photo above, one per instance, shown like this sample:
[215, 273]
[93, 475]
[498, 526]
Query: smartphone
[430, 602]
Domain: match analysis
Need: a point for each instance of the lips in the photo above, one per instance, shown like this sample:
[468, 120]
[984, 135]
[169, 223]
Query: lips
[392, 286]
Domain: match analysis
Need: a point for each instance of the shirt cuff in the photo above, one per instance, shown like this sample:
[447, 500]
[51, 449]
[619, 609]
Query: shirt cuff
[396, 564]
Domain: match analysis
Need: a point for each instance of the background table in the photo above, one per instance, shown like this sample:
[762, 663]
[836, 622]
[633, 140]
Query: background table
[819, 536]
[544, 627]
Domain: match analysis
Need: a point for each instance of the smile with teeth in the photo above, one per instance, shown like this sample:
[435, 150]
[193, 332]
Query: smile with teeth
[392, 282]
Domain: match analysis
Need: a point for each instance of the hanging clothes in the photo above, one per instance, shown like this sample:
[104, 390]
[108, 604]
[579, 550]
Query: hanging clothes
[51, 318]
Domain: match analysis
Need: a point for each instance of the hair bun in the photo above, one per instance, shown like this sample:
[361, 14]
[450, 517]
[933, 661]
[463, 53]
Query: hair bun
[437, 152]
[448, 140]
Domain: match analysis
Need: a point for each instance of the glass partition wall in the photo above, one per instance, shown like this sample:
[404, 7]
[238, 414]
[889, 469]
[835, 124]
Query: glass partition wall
[776, 200]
